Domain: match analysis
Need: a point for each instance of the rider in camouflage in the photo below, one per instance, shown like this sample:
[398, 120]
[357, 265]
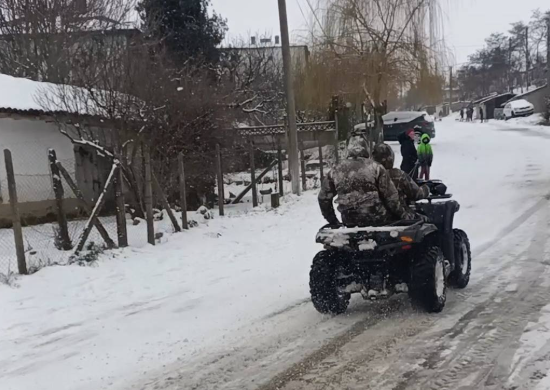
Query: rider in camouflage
[408, 190]
[366, 194]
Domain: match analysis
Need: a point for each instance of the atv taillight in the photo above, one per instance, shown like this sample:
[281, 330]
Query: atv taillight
[406, 247]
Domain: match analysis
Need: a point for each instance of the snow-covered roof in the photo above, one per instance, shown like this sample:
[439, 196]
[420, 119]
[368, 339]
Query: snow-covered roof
[525, 90]
[20, 95]
[396, 117]
[484, 98]
[494, 96]
[529, 92]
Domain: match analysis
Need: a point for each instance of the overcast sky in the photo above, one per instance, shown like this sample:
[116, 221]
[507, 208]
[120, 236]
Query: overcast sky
[467, 22]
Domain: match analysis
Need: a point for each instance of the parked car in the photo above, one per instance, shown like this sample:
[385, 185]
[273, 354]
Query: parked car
[396, 122]
[518, 108]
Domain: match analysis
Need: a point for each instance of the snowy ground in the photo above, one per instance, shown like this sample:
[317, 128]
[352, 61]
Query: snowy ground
[225, 306]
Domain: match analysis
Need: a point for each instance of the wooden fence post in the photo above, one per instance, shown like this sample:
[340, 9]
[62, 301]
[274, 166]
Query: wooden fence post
[122, 231]
[15, 217]
[280, 170]
[336, 139]
[321, 162]
[253, 176]
[275, 200]
[148, 196]
[59, 193]
[97, 208]
[220, 179]
[183, 192]
[100, 228]
[249, 187]
[165, 204]
[303, 168]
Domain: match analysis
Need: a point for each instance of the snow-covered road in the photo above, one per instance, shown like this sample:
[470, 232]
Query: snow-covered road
[226, 306]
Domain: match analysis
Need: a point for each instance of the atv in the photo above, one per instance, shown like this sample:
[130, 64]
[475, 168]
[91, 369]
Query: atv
[420, 257]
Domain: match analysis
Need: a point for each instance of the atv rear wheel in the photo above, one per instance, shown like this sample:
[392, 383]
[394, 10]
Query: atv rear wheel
[323, 285]
[428, 287]
[460, 277]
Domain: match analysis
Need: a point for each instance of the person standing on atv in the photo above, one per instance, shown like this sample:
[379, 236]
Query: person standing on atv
[425, 156]
[366, 193]
[408, 190]
[408, 152]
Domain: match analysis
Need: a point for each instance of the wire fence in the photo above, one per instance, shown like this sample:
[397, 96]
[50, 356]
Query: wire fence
[39, 212]
[44, 241]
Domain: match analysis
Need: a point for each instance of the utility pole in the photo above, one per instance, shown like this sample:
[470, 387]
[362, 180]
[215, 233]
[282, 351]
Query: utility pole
[450, 89]
[510, 65]
[548, 55]
[293, 160]
[527, 65]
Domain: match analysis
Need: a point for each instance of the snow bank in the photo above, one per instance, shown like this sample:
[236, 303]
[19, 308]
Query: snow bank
[534, 120]
[111, 325]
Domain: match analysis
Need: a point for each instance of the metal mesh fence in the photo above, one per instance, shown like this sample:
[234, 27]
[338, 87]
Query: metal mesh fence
[38, 210]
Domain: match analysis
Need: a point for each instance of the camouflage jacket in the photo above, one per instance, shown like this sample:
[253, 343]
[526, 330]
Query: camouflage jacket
[408, 190]
[366, 194]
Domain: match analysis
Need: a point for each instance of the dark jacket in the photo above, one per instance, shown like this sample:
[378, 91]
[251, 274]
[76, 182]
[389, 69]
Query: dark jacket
[408, 151]
[366, 194]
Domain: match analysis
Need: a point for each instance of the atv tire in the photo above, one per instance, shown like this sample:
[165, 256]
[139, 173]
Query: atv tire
[428, 287]
[460, 277]
[323, 287]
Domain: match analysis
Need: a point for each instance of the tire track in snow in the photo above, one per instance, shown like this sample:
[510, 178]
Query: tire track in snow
[512, 226]
[469, 354]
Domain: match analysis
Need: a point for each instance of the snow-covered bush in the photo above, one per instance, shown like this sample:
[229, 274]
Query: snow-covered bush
[8, 279]
[205, 213]
[89, 255]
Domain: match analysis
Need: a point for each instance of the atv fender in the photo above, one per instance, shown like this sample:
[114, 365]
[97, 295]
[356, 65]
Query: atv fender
[425, 231]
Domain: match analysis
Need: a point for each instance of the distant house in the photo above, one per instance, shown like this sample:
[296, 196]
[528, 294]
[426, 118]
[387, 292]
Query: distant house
[29, 130]
[535, 96]
[493, 102]
[271, 54]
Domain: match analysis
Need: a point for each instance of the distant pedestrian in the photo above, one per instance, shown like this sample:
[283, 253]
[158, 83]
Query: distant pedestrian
[408, 151]
[462, 114]
[481, 116]
[425, 157]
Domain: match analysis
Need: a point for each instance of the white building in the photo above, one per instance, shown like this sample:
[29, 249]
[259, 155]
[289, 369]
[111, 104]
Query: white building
[28, 130]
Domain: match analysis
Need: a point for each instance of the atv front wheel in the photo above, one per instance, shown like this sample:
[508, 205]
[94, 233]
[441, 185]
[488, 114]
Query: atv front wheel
[428, 287]
[460, 277]
[326, 297]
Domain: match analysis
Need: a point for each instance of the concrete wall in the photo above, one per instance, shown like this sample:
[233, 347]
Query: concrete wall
[29, 141]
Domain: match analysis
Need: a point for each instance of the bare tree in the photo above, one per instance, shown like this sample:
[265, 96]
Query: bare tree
[134, 97]
[374, 49]
[40, 38]
[254, 74]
